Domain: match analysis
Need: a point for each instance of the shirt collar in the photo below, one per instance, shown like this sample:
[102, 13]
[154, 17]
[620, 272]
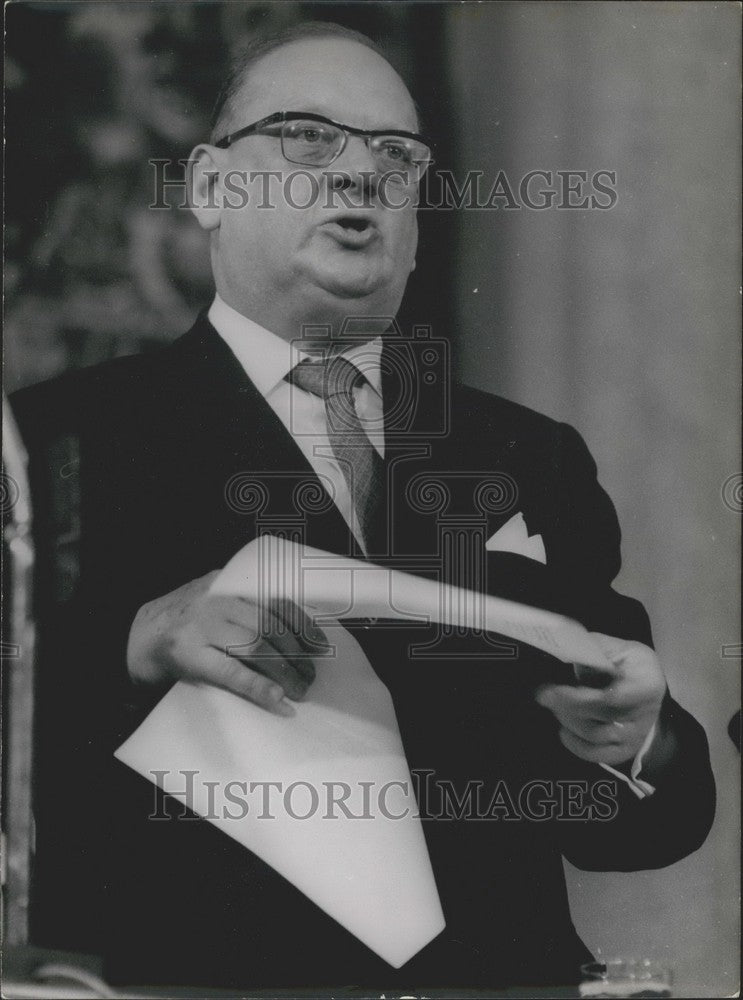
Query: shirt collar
[266, 358]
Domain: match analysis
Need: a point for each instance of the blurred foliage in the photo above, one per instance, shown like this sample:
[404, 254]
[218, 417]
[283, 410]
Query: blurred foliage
[94, 91]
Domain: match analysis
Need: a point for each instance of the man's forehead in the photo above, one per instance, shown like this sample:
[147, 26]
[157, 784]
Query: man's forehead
[336, 77]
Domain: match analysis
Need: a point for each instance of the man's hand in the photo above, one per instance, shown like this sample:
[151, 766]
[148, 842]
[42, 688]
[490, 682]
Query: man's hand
[189, 634]
[606, 717]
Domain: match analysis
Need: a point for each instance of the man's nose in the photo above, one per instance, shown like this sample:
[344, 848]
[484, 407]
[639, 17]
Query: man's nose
[355, 168]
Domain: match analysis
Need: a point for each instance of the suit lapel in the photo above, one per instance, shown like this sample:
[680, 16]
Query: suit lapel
[261, 481]
[452, 482]
[267, 483]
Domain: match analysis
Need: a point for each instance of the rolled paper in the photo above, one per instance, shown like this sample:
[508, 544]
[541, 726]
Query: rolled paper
[325, 797]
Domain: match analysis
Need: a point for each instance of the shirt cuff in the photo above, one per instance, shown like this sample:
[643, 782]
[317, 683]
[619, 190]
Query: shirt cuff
[642, 789]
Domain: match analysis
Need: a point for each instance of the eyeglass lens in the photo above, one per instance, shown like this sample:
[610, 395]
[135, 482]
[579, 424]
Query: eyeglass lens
[317, 144]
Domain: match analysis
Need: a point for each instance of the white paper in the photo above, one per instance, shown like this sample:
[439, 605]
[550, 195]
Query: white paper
[271, 568]
[370, 871]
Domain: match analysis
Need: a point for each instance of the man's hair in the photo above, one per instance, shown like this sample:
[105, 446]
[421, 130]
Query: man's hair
[260, 46]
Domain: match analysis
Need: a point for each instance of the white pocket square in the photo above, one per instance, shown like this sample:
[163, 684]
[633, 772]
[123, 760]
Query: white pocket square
[513, 537]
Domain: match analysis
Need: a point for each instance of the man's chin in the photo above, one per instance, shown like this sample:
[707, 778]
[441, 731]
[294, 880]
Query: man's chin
[351, 283]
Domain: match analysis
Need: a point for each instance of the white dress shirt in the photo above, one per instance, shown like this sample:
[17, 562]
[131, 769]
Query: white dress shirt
[267, 358]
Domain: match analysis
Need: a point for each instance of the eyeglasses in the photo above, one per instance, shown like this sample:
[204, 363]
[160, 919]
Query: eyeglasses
[316, 141]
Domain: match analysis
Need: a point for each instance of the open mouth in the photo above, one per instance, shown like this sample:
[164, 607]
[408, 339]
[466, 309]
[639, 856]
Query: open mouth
[358, 225]
[353, 231]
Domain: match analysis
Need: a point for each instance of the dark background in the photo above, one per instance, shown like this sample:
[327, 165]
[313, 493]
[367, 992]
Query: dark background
[97, 90]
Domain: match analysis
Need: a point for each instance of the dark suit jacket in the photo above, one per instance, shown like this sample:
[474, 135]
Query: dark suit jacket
[158, 452]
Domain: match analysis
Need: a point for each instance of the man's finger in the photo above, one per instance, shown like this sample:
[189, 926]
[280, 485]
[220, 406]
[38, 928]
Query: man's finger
[568, 697]
[232, 675]
[310, 636]
[615, 649]
[286, 644]
[269, 660]
[595, 677]
[594, 753]
[278, 618]
[244, 643]
[596, 732]
[241, 640]
[263, 626]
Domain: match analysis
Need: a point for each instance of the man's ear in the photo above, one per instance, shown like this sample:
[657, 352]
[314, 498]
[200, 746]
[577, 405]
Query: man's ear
[206, 167]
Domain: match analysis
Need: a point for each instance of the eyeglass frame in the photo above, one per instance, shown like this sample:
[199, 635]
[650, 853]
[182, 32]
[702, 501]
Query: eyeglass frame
[289, 116]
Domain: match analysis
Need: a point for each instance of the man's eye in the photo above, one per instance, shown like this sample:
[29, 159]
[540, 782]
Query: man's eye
[309, 135]
[396, 151]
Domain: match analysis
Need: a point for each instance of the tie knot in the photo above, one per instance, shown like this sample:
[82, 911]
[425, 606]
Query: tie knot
[326, 377]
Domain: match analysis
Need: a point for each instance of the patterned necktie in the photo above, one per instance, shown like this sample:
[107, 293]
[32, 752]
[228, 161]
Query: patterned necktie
[334, 379]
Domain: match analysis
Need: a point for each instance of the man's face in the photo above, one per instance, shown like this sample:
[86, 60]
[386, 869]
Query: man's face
[285, 265]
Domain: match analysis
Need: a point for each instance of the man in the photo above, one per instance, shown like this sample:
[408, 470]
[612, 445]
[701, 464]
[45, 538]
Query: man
[165, 442]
